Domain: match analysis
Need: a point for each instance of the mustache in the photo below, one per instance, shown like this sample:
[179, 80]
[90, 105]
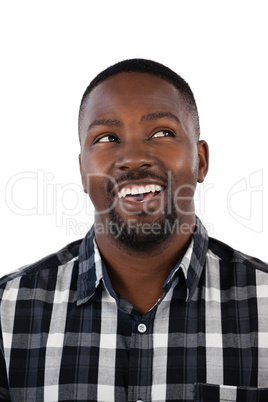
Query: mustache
[128, 176]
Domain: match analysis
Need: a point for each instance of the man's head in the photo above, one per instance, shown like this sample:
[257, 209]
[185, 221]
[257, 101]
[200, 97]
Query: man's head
[149, 67]
[140, 156]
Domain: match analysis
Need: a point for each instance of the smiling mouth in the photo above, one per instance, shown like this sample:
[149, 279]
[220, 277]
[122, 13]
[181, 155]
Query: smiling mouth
[139, 193]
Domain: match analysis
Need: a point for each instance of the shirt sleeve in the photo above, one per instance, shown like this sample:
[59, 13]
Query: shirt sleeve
[4, 388]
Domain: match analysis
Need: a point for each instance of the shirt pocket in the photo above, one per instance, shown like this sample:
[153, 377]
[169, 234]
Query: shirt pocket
[225, 393]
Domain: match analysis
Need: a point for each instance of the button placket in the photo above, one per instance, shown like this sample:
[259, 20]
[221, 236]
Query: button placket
[140, 362]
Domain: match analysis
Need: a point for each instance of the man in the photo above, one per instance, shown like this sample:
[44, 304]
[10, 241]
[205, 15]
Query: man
[146, 307]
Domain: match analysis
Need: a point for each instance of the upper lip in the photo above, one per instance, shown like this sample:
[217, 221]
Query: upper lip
[139, 182]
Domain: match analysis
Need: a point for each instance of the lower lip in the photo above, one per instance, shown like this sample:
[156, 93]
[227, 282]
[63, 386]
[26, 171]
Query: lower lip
[131, 205]
[147, 197]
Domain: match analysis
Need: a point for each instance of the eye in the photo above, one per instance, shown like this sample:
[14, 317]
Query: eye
[106, 138]
[163, 133]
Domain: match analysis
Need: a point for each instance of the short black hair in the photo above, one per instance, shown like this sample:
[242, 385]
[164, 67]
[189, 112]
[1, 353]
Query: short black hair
[149, 67]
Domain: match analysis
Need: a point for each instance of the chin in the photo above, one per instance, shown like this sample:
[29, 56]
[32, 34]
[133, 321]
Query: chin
[142, 234]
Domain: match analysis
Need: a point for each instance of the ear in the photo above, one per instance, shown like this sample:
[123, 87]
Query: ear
[203, 155]
[82, 176]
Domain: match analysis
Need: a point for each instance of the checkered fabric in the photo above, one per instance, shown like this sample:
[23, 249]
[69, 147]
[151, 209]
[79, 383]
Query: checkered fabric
[67, 336]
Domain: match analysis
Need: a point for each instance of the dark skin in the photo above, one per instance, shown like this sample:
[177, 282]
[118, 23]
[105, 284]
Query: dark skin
[136, 122]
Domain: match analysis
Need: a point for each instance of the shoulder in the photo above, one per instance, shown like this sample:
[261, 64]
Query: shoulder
[230, 256]
[47, 266]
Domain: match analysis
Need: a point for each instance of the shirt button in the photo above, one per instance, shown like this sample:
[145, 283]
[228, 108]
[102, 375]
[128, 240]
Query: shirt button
[141, 328]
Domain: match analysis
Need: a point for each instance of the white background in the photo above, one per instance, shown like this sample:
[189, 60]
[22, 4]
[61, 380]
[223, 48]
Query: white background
[50, 51]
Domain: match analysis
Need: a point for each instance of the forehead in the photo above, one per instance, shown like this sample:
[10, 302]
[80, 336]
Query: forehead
[131, 94]
[131, 84]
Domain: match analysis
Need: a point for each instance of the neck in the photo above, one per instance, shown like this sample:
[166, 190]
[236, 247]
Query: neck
[137, 275]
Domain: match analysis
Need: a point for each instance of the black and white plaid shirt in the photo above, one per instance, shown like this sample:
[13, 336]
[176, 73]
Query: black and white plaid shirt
[67, 336]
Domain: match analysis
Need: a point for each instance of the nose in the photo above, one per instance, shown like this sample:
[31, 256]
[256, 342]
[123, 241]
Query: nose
[134, 155]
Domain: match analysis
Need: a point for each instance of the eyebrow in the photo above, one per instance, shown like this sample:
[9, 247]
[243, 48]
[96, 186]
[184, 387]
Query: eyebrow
[105, 122]
[145, 118]
[159, 115]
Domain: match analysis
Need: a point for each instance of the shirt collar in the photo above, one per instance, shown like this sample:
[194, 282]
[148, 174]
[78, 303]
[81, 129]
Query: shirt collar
[90, 274]
[194, 259]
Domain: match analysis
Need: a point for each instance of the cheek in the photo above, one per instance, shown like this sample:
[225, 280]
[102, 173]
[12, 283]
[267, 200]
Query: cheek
[93, 169]
[93, 163]
[96, 181]
[90, 176]
[184, 165]
[96, 191]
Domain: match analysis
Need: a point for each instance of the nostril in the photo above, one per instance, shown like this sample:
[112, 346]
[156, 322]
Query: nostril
[141, 167]
[146, 165]
[134, 158]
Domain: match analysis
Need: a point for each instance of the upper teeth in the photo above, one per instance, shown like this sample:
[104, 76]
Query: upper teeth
[139, 190]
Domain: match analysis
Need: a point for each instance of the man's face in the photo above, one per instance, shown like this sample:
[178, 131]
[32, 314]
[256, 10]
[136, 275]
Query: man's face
[140, 159]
